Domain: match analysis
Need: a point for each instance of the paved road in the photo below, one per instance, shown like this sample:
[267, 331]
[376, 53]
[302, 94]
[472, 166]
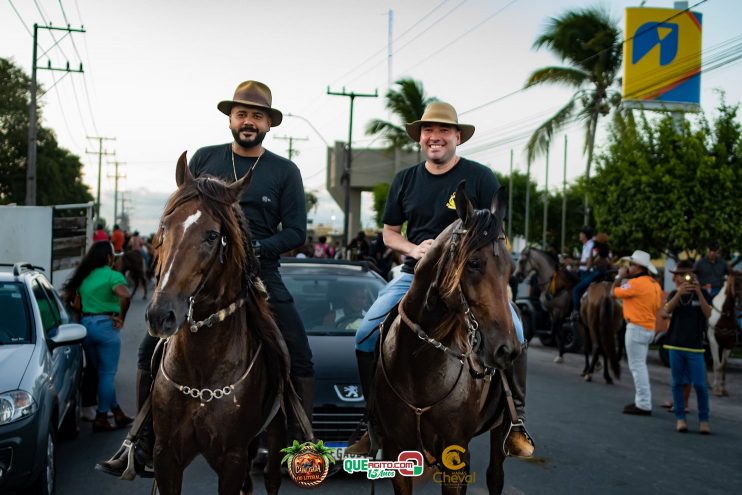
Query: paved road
[584, 443]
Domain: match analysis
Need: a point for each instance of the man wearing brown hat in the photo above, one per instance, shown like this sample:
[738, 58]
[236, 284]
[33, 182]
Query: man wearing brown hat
[424, 197]
[275, 196]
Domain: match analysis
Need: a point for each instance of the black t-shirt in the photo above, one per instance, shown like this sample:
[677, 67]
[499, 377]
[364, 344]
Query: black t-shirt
[688, 323]
[274, 197]
[426, 201]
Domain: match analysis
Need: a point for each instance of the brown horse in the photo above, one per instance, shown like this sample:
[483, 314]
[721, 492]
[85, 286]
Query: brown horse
[224, 372]
[453, 332]
[601, 321]
[555, 284]
[131, 263]
[724, 327]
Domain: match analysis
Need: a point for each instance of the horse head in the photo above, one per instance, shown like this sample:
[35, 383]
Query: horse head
[525, 265]
[202, 243]
[472, 272]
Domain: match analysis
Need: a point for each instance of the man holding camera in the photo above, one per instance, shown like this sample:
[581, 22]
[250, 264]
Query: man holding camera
[688, 307]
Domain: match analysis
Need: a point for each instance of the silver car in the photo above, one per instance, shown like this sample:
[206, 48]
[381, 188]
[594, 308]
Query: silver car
[40, 372]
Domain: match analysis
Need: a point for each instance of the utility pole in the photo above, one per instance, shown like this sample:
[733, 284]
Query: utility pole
[116, 176]
[546, 195]
[510, 200]
[348, 161]
[291, 140]
[528, 196]
[564, 197]
[100, 154]
[389, 54]
[124, 220]
[32, 112]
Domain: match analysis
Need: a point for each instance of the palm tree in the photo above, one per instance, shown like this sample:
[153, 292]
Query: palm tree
[589, 40]
[408, 102]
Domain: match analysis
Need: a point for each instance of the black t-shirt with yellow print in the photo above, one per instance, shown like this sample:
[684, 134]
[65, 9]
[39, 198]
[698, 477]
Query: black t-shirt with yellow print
[426, 201]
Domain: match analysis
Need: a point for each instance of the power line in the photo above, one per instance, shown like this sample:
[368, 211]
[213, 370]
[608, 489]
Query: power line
[25, 26]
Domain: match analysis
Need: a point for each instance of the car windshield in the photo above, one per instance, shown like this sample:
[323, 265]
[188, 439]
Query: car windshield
[15, 326]
[331, 304]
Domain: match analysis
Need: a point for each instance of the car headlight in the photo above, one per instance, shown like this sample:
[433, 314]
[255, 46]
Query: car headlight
[16, 405]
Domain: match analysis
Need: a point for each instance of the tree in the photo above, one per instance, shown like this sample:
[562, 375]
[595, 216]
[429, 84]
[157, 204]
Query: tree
[380, 192]
[310, 200]
[408, 103]
[589, 40]
[669, 190]
[59, 171]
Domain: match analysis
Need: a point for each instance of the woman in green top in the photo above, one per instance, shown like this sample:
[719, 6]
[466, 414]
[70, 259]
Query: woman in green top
[105, 299]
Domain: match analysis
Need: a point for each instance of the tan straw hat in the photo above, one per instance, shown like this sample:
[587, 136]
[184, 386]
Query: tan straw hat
[439, 112]
[252, 94]
[641, 258]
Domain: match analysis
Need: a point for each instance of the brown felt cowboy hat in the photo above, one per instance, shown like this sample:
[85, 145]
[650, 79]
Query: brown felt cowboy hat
[439, 112]
[683, 267]
[252, 94]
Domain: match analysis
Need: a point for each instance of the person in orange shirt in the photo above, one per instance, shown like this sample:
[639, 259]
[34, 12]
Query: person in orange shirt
[117, 239]
[642, 299]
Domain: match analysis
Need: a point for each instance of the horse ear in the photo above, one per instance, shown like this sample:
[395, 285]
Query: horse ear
[464, 208]
[499, 206]
[238, 187]
[182, 172]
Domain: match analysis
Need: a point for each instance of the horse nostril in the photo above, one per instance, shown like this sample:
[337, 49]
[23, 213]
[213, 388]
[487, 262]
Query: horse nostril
[167, 320]
[506, 354]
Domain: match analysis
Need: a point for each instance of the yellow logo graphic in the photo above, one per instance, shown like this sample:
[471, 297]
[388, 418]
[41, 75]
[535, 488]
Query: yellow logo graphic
[451, 205]
[451, 457]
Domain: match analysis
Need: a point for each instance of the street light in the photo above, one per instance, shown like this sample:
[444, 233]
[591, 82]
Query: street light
[310, 125]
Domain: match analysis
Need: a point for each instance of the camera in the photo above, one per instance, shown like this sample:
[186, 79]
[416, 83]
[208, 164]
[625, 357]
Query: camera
[688, 277]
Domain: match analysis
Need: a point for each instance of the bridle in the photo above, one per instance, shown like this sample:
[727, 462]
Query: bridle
[466, 359]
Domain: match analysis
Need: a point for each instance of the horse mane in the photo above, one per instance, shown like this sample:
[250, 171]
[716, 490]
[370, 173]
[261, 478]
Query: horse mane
[452, 263]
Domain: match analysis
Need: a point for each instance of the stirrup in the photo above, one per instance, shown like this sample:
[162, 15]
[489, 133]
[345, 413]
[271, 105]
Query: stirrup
[517, 424]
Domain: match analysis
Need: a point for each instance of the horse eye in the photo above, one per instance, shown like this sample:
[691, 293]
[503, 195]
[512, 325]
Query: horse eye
[474, 263]
[211, 236]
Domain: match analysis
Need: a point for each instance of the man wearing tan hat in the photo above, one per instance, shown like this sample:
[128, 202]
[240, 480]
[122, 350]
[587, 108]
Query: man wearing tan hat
[275, 196]
[642, 298]
[424, 197]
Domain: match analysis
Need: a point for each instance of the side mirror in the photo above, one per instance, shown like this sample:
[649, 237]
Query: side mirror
[67, 334]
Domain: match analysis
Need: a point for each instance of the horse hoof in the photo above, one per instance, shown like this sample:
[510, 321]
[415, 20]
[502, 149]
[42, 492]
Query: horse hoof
[588, 378]
[609, 382]
[724, 393]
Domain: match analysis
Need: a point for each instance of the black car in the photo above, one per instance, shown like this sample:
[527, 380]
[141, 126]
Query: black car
[332, 296]
[40, 371]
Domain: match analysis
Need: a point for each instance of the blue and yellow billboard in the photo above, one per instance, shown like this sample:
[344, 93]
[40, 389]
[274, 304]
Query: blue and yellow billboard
[662, 58]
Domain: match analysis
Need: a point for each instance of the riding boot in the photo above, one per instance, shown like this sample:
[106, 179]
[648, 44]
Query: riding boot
[304, 386]
[518, 442]
[366, 368]
[145, 442]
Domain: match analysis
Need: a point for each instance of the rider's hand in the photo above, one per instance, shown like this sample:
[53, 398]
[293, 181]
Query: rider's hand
[420, 250]
[623, 272]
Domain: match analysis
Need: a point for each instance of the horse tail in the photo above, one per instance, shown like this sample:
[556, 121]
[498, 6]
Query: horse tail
[608, 334]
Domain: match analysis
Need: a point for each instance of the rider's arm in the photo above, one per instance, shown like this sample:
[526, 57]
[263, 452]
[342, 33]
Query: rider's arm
[394, 239]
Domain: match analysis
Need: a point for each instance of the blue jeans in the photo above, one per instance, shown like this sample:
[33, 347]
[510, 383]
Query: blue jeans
[689, 364]
[578, 290]
[389, 296]
[103, 347]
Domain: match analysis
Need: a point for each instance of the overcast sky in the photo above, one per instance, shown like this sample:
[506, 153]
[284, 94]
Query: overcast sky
[155, 70]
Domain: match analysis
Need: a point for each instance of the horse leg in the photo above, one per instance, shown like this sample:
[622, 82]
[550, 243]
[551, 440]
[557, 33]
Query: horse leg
[168, 471]
[723, 365]
[235, 463]
[716, 358]
[587, 347]
[276, 434]
[495, 472]
[606, 373]
[402, 484]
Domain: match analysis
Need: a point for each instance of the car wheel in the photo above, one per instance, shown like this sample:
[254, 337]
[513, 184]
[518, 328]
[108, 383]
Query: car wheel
[571, 336]
[45, 484]
[70, 427]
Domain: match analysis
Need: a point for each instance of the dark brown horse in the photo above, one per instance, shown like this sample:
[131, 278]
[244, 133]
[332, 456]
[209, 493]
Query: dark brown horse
[131, 263]
[724, 328]
[453, 333]
[225, 365]
[601, 321]
[555, 284]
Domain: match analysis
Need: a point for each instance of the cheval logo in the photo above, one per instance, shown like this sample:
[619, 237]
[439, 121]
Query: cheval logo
[308, 463]
[408, 463]
[457, 476]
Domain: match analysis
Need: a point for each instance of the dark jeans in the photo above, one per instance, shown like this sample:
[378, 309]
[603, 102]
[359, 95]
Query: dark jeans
[586, 278]
[287, 319]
